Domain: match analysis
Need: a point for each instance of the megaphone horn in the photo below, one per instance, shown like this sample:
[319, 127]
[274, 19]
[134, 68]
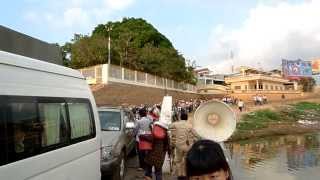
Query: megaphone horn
[214, 120]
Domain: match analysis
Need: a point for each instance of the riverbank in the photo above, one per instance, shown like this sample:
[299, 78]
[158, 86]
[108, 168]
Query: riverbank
[300, 117]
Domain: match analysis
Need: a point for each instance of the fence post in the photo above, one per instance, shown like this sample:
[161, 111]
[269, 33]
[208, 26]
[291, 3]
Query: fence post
[135, 76]
[146, 79]
[122, 73]
[95, 72]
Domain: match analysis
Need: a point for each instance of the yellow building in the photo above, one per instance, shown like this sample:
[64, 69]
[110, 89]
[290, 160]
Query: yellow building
[253, 80]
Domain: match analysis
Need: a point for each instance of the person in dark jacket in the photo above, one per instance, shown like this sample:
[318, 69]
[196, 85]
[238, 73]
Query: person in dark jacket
[184, 114]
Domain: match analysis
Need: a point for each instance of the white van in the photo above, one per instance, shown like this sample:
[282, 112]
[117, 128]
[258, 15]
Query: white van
[49, 125]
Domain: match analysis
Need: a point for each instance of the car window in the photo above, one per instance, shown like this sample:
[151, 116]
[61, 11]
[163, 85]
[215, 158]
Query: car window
[110, 120]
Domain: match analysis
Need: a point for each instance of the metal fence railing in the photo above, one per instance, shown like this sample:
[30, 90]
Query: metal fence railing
[95, 75]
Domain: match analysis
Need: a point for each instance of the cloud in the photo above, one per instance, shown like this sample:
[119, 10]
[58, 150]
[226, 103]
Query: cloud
[118, 4]
[270, 33]
[73, 16]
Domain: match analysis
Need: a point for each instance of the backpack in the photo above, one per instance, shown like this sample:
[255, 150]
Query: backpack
[159, 132]
[145, 142]
[182, 136]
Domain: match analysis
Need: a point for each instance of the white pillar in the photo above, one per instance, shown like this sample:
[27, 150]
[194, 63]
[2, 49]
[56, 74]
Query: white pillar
[105, 73]
[295, 86]
[257, 85]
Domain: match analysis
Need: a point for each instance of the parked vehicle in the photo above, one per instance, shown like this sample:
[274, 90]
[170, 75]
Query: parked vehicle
[49, 125]
[117, 140]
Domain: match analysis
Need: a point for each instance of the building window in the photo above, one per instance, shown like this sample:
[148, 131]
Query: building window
[266, 87]
[209, 81]
[246, 87]
[237, 87]
[271, 87]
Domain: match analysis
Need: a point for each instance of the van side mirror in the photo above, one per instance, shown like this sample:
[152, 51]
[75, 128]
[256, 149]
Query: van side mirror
[130, 125]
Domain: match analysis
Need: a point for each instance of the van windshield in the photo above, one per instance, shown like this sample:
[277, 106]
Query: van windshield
[110, 120]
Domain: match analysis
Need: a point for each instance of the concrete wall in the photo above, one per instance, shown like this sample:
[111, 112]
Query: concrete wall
[275, 96]
[18, 43]
[115, 94]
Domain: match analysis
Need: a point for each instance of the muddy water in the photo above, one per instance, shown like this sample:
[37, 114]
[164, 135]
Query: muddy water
[292, 157]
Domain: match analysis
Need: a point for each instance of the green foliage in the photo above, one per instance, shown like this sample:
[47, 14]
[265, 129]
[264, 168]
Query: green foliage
[135, 44]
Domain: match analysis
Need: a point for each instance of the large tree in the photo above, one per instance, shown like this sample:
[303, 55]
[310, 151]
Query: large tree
[135, 44]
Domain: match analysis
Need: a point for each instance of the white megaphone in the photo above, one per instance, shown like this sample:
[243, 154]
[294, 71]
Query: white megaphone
[214, 120]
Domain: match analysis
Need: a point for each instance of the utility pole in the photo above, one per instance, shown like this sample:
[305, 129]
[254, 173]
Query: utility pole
[109, 29]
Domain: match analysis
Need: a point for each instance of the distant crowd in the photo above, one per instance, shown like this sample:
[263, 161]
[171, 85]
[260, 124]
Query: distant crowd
[260, 99]
[180, 109]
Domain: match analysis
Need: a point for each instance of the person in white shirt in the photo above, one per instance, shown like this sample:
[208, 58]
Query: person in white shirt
[240, 105]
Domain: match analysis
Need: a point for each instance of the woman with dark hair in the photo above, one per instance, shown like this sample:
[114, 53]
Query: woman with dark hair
[206, 161]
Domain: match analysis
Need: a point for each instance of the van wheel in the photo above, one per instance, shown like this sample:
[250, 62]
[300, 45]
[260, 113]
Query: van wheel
[121, 169]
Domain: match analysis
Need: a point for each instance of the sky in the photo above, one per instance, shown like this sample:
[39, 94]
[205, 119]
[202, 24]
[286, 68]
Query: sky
[216, 34]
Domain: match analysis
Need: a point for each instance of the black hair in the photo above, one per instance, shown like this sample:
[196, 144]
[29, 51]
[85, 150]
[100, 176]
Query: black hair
[142, 112]
[205, 157]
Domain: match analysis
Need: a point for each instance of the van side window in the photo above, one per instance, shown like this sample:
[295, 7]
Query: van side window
[54, 121]
[24, 129]
[81, 121]
[33, 125]
[3, 135]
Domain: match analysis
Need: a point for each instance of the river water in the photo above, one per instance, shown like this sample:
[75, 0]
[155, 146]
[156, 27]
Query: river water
[291, 157]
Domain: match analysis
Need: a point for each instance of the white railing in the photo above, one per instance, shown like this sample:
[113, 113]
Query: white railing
[102, 74]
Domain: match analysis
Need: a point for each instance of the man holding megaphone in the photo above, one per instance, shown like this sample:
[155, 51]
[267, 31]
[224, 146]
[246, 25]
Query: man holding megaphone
[213, 120]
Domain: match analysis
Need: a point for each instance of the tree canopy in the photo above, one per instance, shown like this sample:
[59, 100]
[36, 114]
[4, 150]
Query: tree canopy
[135, 44]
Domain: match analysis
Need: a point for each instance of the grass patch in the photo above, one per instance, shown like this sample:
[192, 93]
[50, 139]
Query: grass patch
[302, 106]
[262, 118]
[258, 119]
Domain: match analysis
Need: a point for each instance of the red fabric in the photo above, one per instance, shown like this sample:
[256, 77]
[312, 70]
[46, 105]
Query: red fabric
[145, 145]
[154, 117]
[158, 132]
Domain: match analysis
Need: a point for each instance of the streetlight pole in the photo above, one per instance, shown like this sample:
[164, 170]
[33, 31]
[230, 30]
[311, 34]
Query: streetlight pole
[109, 29]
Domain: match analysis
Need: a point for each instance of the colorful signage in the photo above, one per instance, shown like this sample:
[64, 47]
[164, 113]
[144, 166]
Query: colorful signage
[316, 66]
[296, 68]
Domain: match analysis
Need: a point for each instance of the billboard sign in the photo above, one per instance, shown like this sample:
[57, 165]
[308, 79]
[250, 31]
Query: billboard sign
[316, 66]
[296, 68]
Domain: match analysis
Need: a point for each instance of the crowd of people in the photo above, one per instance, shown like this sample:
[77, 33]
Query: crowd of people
[260, 99]
[234, 101]
[179, 141]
